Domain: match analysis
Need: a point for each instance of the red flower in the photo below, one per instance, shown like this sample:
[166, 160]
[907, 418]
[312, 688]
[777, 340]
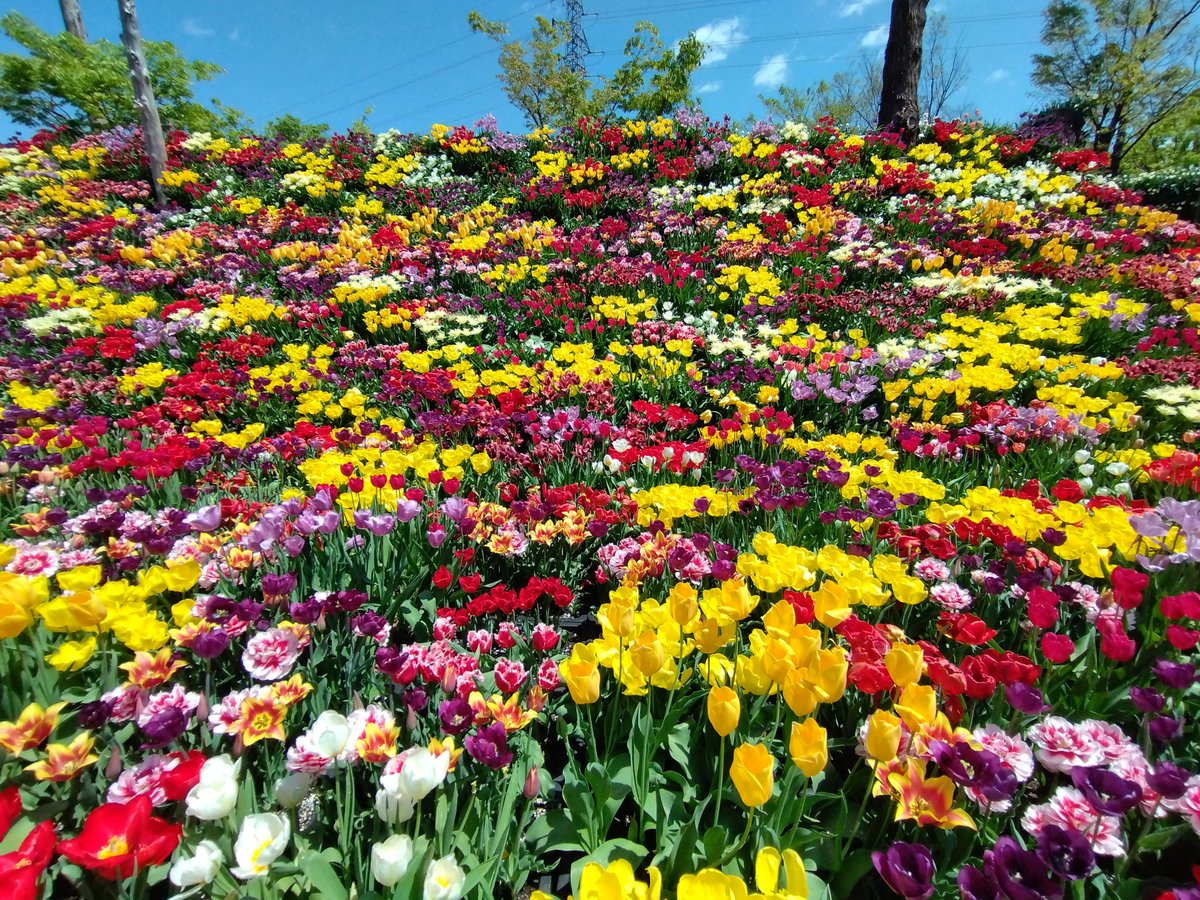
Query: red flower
[1067, 491]
[1181, 606]
[964, 628]
[443, 578]
[1128, 585]
[181, 779]
[469, 583]
[21, 869]
[1057, 647]
[1182, 638]
[118, 838]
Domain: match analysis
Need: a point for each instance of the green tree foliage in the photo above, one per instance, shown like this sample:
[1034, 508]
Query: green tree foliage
[1129, 65]
[653, 79]
[62, 81]
[292, 129]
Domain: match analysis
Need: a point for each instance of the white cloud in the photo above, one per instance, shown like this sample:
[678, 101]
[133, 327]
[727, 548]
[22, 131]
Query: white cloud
[876, 37]
[709, 87]
[773, 72]
[856, 7]
[998, 75]
[719, 38]
[195, 29]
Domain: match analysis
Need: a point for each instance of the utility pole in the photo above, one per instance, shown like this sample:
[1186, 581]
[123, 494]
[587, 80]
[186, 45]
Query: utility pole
[577, 42]
[143, 97]
[73, 18]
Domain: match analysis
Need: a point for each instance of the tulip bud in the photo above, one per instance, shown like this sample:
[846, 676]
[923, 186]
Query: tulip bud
[724, 710]
[883, 736]
[905, 663]
[533, 783]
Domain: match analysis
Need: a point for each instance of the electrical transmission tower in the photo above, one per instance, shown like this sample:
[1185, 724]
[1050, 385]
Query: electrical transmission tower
[577, 42]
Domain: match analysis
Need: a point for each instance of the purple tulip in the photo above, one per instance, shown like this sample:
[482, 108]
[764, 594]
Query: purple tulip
[456, 715]
[1176, 675]
[1025, 699]
[164, 727]
[907, 869]
[977, 884]
[95, 714]
[204, 519]
[1168, 780]
[1165, 729]
[978, 769]
[489, 745]
[210, 644]
[1106, 791]
[1021, 874]
[1147, 699]
[1066, 852]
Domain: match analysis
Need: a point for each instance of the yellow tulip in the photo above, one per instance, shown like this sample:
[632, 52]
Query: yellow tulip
[647, 653]
[712, 634]
[798, 693]
[883, 735]
[72, 655]
[766, 874]
[724, 710]
[682, 604]
[808, 747]
[917, 705]
[753, 774]
[905, 663]
[581, 674]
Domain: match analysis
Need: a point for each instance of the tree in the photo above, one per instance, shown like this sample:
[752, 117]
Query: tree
[902, 68]
[536, 78]
[851, 96]
[291, 129]
[1127, 64]
[143, 97]
[73, 18]
[61, 81]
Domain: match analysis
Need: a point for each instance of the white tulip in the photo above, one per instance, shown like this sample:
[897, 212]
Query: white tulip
[200, 868]
[390, 859]
[215, 794]
[263, 838]
[393, 807]
[444, 880]
[292, 788]
[422, 772]
[329, 734]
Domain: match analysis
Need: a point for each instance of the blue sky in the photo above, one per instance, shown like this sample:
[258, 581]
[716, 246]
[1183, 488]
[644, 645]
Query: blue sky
[417, 62]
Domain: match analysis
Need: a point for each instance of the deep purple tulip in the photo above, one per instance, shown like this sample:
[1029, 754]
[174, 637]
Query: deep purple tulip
[977, 884]
[1147, 699]
[1168, 780]
[1066, 852]
[907, 869]
[1021, 874]
[456, 715]
[1176, 675]
[164, 727]
[95, 714]
[1106, 791]
[1165, 729]
[978, 769]
[1025, 699]
[489, 745]
[210, 644]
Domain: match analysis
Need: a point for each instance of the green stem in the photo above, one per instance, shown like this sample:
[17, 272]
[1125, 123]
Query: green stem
[741, 842]
[720, 781]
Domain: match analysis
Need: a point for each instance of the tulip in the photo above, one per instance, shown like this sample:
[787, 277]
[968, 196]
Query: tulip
[905, 663]
[391, 859]
[1066, 851]
[444, 880]
[120, 838]
[292, 788]
[724, 710]
[917, 705]
[582, 675]
[883, 736]
[1106, 792]
[753, 774]
[907, 869]
[215, 794]
[199, 868]
[808, 747]
[263, 837]
[647, 653]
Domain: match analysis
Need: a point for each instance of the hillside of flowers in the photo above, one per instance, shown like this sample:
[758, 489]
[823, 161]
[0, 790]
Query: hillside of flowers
[642, 510]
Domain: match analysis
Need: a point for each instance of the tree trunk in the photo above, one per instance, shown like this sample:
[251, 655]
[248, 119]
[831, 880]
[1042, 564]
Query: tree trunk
[898, 109]
[143, 97]
[73, 18]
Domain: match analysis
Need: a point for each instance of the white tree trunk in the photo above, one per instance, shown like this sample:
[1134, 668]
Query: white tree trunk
[143, 97]
[73, 18]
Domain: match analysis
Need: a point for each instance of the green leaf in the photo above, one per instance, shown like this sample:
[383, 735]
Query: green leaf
[321, 875]
[849, 873]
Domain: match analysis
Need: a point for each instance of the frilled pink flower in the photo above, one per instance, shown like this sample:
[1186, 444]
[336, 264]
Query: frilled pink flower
[1113, 744]
[187, 702]
[1188, 805]
[510, 675]
[270, 655]
[1068, 809]
[33, 561]
[479, 640]
[126, 701]
[1135, 768]
[303, 758]
[544, 638]
[548, 675]
[1061, 745]
[144, 778]
[931, 569]
[444, 628]
[225, 715]
[359, 719]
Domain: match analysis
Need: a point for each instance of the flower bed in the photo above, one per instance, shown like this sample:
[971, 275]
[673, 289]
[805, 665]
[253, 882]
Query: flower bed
[645, 509]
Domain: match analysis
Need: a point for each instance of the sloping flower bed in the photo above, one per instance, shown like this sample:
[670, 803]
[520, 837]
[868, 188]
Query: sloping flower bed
[641, 510]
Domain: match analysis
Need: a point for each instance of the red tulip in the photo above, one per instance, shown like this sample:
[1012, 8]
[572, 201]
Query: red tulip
[118, 838]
